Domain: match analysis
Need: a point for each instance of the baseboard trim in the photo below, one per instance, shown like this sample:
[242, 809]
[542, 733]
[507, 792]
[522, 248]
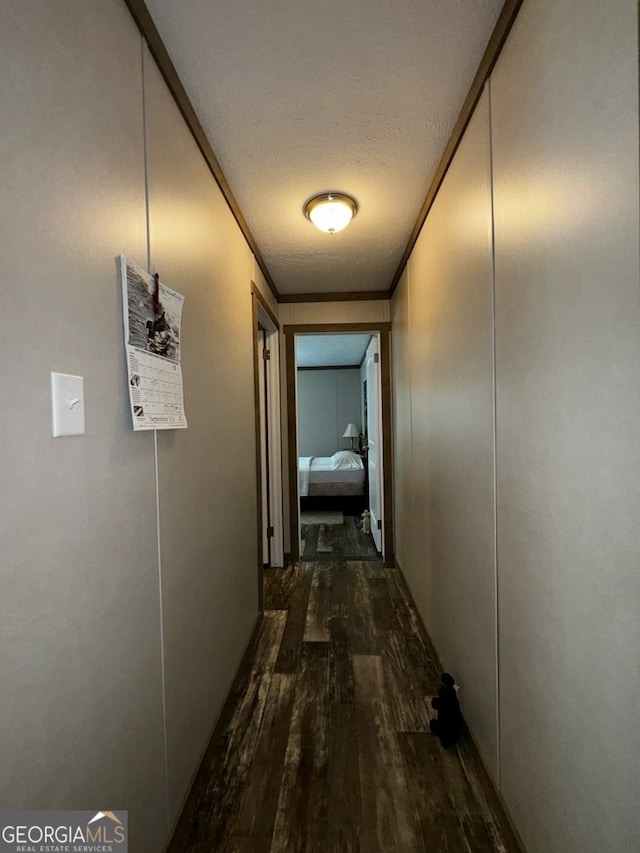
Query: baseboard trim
[469, 750]
[215, 732]
[490, 787]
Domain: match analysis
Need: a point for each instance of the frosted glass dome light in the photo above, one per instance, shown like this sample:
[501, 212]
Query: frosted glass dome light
[331, 212]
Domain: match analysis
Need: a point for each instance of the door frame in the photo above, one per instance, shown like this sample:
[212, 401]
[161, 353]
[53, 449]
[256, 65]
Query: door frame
[384, 332]
[263, 316]
[374, 437]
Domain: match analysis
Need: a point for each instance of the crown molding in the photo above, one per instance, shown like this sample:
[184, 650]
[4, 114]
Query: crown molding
[496, 42]
[150, 34]
[336, 296]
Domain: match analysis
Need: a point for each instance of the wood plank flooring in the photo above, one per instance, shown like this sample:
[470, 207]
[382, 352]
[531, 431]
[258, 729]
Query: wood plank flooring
[324, 743]
[333, 542]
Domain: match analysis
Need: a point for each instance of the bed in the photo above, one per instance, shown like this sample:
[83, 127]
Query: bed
[341, 475]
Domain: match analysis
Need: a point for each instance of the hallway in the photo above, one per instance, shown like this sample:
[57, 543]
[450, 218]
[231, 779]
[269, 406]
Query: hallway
[324, 745]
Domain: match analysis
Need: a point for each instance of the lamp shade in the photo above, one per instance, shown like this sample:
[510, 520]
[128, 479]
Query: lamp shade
[331, 212]
[351, 431]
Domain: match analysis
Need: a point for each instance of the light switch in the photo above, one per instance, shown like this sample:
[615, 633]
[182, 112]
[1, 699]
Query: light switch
[67, 404]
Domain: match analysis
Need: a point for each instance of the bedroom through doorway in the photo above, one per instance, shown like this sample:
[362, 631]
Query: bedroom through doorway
[339, 446]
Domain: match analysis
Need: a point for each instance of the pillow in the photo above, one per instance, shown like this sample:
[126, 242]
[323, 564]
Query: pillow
[346, 460]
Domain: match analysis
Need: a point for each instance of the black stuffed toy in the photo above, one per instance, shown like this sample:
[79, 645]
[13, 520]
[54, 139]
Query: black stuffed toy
[449, 723]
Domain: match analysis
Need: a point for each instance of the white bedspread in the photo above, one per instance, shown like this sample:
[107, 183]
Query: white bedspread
[304, 466]
[343, 467]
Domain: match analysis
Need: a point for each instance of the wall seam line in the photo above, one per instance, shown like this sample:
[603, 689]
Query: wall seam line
[156, 461]
[495, 430]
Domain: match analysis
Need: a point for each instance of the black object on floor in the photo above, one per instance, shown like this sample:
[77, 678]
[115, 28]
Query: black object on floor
[448, 726]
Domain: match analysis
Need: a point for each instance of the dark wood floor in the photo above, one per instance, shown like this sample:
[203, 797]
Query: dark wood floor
[323, 746]
[337, 541]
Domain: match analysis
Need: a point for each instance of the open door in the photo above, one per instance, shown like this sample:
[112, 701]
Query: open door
[261, 348]
[268, 434]
[373, 415]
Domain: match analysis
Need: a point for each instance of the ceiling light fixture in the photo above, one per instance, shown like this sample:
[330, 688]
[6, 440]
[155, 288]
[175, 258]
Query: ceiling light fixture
[331, 212]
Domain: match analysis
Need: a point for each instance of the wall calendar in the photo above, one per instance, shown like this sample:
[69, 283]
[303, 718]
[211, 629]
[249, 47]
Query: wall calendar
[152, 326]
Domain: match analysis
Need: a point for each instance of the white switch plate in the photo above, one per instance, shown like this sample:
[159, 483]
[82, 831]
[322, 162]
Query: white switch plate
[67, 404]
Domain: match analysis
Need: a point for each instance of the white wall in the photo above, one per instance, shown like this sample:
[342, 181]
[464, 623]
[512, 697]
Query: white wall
[318, 313]
[450, 277]
[81, 706]
[207, 474]
[565, 134]
[327, 400]
[261, 283]
[563, 127]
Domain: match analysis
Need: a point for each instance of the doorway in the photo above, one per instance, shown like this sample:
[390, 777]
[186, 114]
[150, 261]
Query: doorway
[268, 436]
[339, 444]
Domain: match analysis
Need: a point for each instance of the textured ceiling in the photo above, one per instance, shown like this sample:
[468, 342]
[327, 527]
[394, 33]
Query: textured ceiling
[344, 350]
[298, 97]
